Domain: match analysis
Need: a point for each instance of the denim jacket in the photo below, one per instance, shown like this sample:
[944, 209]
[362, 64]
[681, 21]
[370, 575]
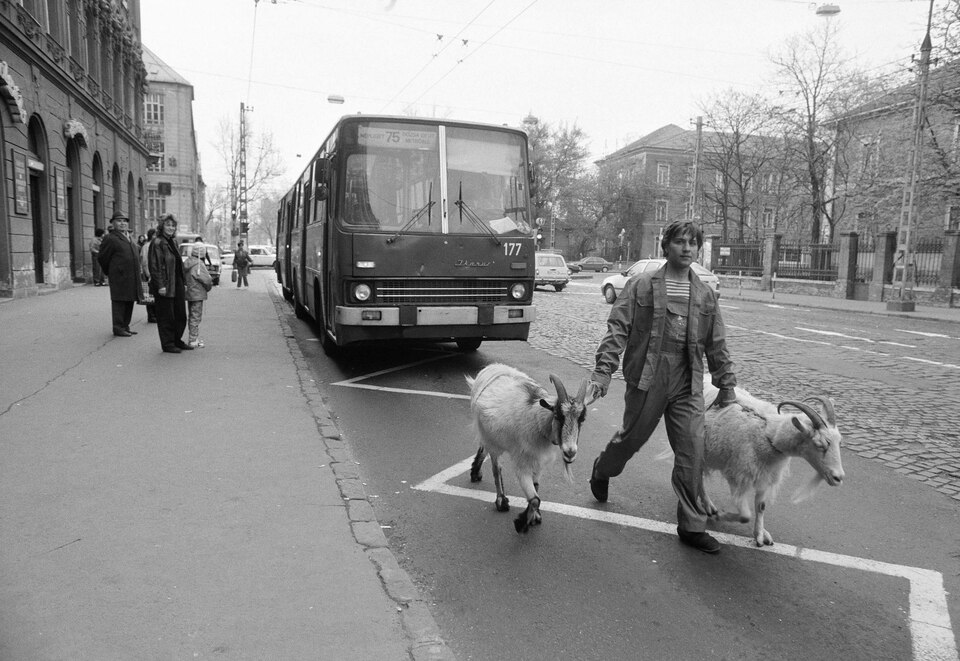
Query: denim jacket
[635, 328]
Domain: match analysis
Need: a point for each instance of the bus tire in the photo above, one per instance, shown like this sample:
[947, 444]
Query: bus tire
[287, 294]
[299, 310]
[469, 344]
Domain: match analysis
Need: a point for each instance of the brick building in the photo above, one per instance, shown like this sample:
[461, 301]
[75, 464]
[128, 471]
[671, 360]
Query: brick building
[71, 148]
[873, 160]
[654, 177]
[174, 183]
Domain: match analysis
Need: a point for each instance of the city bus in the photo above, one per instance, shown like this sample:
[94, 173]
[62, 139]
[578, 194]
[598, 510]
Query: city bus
[405, 228]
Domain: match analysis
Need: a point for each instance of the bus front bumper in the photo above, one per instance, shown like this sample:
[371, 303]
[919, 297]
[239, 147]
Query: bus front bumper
[468, 315]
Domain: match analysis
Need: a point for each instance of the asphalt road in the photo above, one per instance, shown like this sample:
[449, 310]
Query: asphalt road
[863, 571]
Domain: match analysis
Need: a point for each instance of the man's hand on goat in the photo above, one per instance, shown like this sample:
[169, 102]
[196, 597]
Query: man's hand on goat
[727, 396]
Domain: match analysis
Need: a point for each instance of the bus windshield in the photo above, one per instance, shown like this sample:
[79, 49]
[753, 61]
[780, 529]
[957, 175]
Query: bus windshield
[392, 178]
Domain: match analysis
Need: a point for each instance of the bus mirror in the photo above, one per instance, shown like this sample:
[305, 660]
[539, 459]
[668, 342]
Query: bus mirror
[322, 170]
[322, 192]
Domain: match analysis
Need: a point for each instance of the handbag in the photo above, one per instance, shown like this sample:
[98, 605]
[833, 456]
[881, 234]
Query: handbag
[233, 275]
[146, 297]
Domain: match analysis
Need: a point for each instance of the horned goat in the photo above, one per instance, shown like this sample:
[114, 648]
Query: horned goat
[751, 443]
[514, 415]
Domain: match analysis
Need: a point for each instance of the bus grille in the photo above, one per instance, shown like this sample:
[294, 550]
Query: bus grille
[440, 292]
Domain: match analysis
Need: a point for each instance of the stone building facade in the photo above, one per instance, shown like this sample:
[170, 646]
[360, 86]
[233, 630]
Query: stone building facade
[174, 183]
[71, 135]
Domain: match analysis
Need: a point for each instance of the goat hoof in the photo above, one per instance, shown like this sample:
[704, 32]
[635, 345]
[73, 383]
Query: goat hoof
[475, 477]
[520, 523]
[503, 504]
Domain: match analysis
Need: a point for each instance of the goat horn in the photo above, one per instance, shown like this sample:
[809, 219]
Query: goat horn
[827, 408]
[813, 415]
[561, 391]
[583, 390]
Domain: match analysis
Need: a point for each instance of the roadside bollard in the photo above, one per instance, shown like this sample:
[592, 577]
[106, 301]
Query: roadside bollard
[773, 286]
[739, 283]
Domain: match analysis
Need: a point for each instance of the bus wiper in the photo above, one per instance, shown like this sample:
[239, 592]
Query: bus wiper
[425, 209]
[473, 217]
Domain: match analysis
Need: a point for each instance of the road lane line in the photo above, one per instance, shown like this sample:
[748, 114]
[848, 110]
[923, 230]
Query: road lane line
[391, 369]
[931, 633]
[405, 391]
[835, 334]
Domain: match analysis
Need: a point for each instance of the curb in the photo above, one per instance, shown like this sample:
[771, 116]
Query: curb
[426, 643]
[820, 306]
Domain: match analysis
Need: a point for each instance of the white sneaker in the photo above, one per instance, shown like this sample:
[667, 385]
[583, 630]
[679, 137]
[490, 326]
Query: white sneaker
[194, 343]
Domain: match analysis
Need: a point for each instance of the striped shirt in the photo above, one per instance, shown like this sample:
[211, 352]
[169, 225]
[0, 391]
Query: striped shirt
[678, 289]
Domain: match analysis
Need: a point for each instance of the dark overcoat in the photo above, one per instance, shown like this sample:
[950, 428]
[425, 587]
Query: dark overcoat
[120, 260]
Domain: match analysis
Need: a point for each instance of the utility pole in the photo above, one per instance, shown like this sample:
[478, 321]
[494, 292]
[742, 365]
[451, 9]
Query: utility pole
[242, 179]
[695, 175]
[911, 190]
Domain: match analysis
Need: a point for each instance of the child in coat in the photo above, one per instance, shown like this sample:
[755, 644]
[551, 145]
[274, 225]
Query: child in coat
[197, 282]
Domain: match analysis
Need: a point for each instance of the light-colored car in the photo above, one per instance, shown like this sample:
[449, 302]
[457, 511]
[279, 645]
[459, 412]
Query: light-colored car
[213, 252]
[263, 255]
[592, 263]
[551, 270]
[612, 285]
[226, 257]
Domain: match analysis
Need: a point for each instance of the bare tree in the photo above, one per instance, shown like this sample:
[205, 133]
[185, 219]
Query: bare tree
[817, 83]
[263, 164]
[742, 153]
[558, 158]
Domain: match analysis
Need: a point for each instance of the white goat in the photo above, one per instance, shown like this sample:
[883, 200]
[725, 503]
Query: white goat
[513, 415]
[751, 443]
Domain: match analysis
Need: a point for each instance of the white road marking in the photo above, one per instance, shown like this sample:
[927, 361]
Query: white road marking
[835, 334]
[355, 381]
[931, 633]
[913, 332]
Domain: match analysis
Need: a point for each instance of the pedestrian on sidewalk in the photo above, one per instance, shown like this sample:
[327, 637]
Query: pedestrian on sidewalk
[120, 262]
[145, 272]
[167, 286]
[663, 323]
[95, 243]
[197, 282]
[242, 262]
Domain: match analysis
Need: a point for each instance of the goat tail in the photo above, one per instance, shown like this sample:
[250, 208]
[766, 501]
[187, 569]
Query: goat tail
[805, 492]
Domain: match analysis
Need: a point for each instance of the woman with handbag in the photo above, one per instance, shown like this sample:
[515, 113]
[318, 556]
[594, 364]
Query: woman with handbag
[241, 266]
[167, 286]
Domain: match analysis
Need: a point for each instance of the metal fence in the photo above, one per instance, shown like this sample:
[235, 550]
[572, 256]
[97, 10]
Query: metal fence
[866, 256]
[745, 258]
[807, 261]
[927, 257]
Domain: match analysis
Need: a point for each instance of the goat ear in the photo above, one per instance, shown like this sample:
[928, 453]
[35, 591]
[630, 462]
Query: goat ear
[545, 404]
[796, 423]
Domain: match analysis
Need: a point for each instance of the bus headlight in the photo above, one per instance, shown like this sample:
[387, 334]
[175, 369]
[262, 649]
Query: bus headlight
[518, 291]
[361, 292]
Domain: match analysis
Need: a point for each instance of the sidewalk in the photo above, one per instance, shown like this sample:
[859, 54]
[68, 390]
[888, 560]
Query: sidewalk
[925, 312]
[183, 506]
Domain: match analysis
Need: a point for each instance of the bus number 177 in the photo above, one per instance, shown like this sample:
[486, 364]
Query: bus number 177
[511, 249]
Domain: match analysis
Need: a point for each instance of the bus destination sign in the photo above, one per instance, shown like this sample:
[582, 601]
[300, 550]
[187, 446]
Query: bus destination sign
[379, 136]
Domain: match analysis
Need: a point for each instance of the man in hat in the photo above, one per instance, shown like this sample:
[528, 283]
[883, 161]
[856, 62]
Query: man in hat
[120, 261]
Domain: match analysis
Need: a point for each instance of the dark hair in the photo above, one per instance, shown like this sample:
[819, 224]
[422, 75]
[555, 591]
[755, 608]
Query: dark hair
[152, 232]
[681, 228]
[163, 219]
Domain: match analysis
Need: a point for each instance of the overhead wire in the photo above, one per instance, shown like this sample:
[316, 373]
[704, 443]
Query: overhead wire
[253, 39]
[474, 51]
[436, 55]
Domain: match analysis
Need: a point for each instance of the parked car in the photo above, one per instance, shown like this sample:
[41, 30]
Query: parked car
[213, 252]
[612, 285]
[226, 257]
[592, 263]
[263, 255]
[551, 270]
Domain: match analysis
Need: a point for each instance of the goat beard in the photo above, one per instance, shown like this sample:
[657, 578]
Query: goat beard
[568, 472]
[807, 491]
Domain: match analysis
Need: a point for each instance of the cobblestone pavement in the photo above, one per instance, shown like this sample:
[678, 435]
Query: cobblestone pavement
[897, 399]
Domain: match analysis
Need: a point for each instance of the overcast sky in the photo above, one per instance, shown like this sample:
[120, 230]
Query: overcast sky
[619, 69]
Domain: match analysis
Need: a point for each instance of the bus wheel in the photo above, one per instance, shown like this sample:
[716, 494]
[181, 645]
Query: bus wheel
[299, 310]
[467, 344]
[287, 294]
